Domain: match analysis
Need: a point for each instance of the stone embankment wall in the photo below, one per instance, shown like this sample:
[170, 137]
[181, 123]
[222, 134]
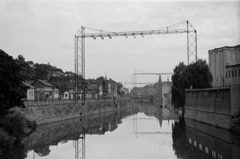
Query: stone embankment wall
[214, 106]
[52, 133]
[51, 111]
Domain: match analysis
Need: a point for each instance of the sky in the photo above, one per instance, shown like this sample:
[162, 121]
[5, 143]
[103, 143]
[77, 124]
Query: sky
[43, 31]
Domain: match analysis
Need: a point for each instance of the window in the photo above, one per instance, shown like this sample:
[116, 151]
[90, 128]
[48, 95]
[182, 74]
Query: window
[235, 73]
[206, 150]
[226, 74]
[214, 154]
[65, 95]
[190, 140]
[232, 73]
[220, 156]
[200, 146]
[195, 143]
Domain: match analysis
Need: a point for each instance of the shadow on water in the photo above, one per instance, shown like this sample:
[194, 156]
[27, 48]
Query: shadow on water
[196, 140]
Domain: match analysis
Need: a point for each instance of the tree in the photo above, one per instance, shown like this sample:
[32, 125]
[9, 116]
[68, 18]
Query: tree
[41, 71]
[196, 76]
[119, 88]
[27, 70]
[12, 89]
[100, 78]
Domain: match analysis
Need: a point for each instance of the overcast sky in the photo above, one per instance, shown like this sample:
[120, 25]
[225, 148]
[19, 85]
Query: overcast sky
[43, 31]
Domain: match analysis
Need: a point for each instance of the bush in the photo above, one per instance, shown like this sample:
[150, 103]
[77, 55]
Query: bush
[16, 125]
[6, 141]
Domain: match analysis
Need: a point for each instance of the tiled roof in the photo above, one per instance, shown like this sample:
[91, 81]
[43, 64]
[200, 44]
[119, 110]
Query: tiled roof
[28, 85]
[45, 83]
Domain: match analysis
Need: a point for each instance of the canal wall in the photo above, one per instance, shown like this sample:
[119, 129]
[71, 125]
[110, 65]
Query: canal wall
[52, 111]
[215, 106]
[65, 130]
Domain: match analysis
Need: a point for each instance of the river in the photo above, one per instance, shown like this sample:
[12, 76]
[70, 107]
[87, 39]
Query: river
[132, 133]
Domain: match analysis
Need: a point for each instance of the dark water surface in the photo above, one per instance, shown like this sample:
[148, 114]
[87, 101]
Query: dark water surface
[133, 133]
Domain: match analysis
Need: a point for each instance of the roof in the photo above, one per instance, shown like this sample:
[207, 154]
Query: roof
[96, 81]
[28, 85]
[226, 47]
[29, 82]
[207, 89]
[45, 83]
[93, 87]
[69, 72]
[111, 81]
[233, 65]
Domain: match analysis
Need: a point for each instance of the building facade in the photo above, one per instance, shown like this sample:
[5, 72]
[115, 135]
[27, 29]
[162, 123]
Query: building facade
[219, 61]
[232, 74]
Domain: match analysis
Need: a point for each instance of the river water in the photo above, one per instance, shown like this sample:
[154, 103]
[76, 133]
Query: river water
[132, 133]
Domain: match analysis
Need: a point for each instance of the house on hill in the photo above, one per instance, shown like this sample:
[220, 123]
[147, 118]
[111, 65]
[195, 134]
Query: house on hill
[66, 90]
[43, 89]
[30, 91]
[110, 87]
[69, 73]
[95, 91]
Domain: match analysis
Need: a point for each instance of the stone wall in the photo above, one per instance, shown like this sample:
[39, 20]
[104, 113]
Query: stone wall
[47, 112]
[55, 132]
[211, 106]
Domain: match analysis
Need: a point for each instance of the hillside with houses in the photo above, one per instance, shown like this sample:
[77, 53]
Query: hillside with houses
[47, 82]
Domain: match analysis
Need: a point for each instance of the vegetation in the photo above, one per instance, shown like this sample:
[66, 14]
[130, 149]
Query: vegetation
[11, 83]
[119, 89]
[196, 76]
[13, 124]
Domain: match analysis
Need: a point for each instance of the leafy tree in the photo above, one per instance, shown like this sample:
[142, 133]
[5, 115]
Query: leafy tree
[100, 78]
[27, 70]
[41, 71]
[12, 89]
[196, 76]
[119, 88]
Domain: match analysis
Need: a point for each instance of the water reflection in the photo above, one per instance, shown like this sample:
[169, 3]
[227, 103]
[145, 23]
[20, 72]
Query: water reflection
[137, 132]
[200, 141]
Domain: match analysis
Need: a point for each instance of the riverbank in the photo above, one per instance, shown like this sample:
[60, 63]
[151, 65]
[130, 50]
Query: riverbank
[47, 112]
[215, 106]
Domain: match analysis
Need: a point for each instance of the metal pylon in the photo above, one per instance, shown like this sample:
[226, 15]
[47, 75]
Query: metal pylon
[79, 65]
[191, 43]
[79, 146]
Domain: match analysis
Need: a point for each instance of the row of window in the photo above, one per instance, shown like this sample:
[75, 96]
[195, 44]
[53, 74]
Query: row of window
[206, 150]
[233, 73]
[209, 94]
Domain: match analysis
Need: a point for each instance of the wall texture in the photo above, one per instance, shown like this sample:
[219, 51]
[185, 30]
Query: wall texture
[48, 112]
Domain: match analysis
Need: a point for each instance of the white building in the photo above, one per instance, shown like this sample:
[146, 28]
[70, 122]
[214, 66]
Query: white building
[30, 91]
[219, 60]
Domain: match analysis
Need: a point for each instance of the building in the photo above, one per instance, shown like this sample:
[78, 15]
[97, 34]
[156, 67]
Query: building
[232, 74]
[220, 62]
[110, 87]
[43, 89]
[30, 91]
[94, 91]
